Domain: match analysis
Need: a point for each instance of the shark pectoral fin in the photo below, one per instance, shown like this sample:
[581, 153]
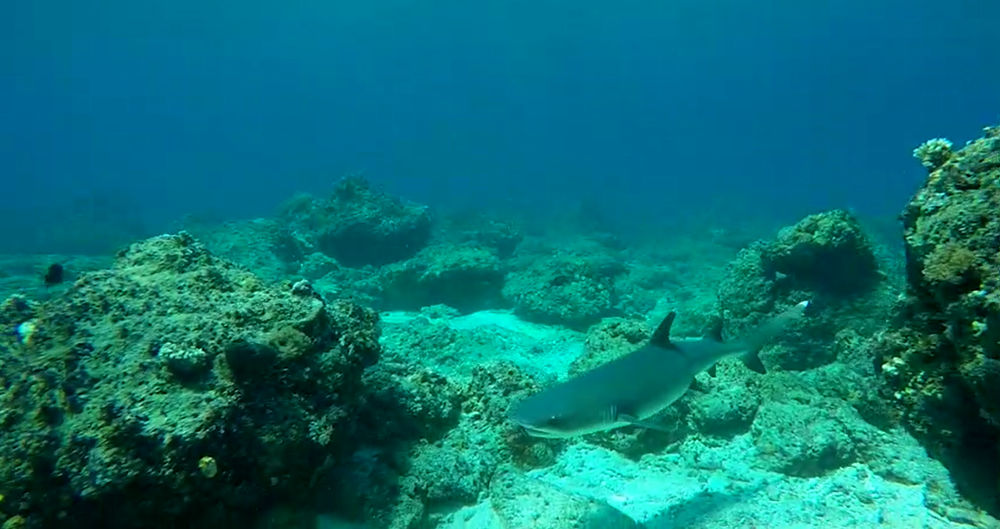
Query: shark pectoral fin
[752, 361]
[711, 371]
[643, 424]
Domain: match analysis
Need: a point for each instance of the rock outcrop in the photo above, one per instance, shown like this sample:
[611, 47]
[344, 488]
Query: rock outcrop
[942, 358]
[174, 389]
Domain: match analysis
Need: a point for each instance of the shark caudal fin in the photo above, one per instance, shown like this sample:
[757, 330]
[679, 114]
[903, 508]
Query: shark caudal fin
[767, 332]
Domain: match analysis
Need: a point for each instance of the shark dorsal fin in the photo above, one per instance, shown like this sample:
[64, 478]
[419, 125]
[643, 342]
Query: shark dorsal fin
[661, 337]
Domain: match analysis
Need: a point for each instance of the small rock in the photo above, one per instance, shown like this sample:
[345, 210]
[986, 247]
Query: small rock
[185, 362]
[303, 288]
[806, 440]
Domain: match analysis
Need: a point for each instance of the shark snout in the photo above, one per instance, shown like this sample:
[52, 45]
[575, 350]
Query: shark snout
[532, 421]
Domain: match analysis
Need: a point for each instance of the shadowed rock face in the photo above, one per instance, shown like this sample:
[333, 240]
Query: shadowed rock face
[465, 277]
[359, 226]
[573, 285]
[828, 252]
[943, 359]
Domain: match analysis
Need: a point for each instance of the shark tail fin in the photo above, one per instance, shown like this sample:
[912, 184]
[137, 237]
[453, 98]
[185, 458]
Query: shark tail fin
[767, 332]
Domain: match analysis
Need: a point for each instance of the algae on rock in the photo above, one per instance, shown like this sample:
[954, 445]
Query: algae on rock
[129, 406]
[942, 358]
[360, 226]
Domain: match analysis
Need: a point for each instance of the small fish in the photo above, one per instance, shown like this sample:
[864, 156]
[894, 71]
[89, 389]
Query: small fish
[637, 386]
[54, 274]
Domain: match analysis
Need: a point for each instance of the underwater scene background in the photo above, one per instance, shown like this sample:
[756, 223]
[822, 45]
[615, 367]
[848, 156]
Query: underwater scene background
[299, 265]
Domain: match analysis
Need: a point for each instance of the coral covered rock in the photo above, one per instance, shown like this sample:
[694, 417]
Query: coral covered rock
[450, 458]
[942, 360]
[404, 409]
[725, 412]
[808, 440]
[466, 277]
[828, 252]
[457, 471]
[825, 258]
[477, 229]
[572, 287]
[749, 288]
[359, 226]
[175, 389]
[608, 340]
[406, 402]
[266, 247]
[825, 254]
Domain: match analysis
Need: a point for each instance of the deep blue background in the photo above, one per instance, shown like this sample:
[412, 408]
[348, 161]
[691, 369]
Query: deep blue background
[230, 107]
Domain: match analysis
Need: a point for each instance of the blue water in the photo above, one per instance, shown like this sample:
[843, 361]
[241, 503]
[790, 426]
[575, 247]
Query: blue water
[644, 108]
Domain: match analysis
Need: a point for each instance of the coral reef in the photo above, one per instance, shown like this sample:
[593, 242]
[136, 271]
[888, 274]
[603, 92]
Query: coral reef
[826, 258]
[827, 252]
[826, 255]
[465, 277]
[756, 442]
[182, 389]
[365, 246]
[808, 440]
[572, 286]
[174, 389]
[264, 246]
[478, 229]
[942, 358]
[359, 226]
[610, 339]
[933, 153]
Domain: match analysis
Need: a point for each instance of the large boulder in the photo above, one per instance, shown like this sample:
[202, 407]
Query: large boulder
[174, 389]
[465, 277]
[571, 286]
[825, 258]
[827, 252]
[360, 226]
[481, 229]
[809, 440]
[942, 359]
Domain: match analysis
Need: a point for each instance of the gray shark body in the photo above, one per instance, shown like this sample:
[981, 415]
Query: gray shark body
[637, 386]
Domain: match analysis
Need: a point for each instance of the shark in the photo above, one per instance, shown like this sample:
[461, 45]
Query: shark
[631, 389]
